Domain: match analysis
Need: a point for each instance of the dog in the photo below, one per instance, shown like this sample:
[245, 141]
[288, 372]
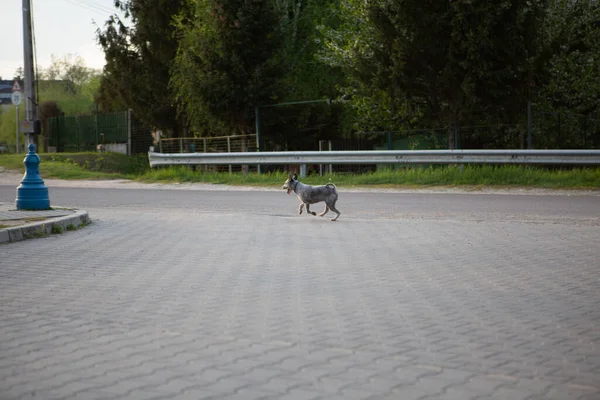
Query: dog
[313, 194]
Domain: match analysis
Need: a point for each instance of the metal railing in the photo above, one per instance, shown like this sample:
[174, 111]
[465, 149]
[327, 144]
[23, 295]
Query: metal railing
[210, 144]
[571, 157]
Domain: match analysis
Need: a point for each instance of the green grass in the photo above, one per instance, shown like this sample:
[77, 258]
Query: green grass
[87, 165]
[405, 177]
[117, 166]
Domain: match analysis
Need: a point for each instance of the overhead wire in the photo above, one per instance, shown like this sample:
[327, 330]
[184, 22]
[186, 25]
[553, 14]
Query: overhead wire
[93, 6]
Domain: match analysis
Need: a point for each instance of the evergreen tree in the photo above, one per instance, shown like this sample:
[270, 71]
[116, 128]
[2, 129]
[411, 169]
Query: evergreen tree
[226, 63]
[139, 56]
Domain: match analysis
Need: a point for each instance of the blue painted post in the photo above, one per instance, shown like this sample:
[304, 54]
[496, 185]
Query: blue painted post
[32, 194]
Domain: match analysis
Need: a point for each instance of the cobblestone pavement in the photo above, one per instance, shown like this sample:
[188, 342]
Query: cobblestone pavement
[175, 304]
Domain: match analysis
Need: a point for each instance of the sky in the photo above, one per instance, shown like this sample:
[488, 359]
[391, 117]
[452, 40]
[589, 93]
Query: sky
[61, 27]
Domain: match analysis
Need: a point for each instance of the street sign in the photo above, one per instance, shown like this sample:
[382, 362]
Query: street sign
[16, 87]
[27, 127]
[16, 98]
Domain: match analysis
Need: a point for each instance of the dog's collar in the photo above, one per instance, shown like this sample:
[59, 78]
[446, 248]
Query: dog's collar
[295, 185]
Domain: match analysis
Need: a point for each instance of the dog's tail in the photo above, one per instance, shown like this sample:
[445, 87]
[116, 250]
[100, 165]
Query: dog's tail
[331, 185]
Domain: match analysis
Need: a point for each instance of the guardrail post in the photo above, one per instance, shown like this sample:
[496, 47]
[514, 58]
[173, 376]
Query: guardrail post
[181, 145]
[320, 165]
[229, 150]
[303, 171]
[330, 165]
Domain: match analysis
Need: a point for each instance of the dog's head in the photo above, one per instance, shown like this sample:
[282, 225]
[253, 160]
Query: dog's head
[290, 183]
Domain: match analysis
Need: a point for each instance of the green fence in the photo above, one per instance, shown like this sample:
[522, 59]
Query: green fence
[85, 132]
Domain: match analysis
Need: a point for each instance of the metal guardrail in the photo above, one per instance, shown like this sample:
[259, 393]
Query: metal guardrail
[574, 157]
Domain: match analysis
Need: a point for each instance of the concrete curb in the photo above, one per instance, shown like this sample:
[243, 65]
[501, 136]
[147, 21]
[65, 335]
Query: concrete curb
[44, 228]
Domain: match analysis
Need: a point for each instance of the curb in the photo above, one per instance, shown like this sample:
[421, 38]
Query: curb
[44, 228]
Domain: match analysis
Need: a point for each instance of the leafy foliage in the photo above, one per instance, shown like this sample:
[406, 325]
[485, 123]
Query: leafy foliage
[226, 63]
[138, 60]
[436, 62]
[573, 70]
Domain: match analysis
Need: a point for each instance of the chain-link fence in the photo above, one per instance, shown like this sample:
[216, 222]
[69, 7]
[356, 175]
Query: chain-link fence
[119, 131]
[556, 130]
[86, 132]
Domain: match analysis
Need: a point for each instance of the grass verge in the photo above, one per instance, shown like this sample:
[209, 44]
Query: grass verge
[587, 178]
[97, 166]
[87, 165]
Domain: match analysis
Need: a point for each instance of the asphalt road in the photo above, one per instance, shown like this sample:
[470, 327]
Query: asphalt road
[190, 293]
[473, 206]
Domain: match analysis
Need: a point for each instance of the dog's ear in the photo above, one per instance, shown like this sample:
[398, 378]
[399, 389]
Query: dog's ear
[295, 177]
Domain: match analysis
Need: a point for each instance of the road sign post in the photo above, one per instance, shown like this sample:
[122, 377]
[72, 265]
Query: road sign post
[17, 124]
[16, 97]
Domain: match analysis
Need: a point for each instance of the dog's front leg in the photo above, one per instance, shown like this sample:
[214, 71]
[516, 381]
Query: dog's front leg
[308, 210]
[300, 208]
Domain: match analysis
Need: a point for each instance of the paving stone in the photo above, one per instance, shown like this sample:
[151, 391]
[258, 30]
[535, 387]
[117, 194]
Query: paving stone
[171, 304]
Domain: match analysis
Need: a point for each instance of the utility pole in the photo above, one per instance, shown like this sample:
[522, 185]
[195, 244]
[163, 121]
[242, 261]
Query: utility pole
[32, 194]
[29, 78]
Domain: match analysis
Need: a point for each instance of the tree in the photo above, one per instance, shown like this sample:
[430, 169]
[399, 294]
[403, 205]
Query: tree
[139, 57]
[440, 60]
[69, 69]
[573, 30]
[571, 88]
[304, 78]
[226, 63]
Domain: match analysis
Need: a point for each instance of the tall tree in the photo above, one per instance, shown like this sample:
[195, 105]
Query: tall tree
[139, 55]
[227, 63]
[441, 60]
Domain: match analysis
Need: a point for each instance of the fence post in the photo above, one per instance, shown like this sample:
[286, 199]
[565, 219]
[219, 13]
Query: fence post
[257, 117]
[389, 140]
[558, 135]
[129, 132]
[456, 138]
[529, 138]
[181, 145]
[96, 126]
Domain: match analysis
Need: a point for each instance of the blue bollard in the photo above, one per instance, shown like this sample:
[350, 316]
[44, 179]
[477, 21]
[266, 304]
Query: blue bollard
[32, 194]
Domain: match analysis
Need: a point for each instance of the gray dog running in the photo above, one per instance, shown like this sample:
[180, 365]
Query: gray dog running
[313, 194]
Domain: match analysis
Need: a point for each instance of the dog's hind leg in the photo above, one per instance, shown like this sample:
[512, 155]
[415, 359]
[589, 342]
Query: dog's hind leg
[325, 211]
[335, 210]
[308, 210]
[300, 208]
